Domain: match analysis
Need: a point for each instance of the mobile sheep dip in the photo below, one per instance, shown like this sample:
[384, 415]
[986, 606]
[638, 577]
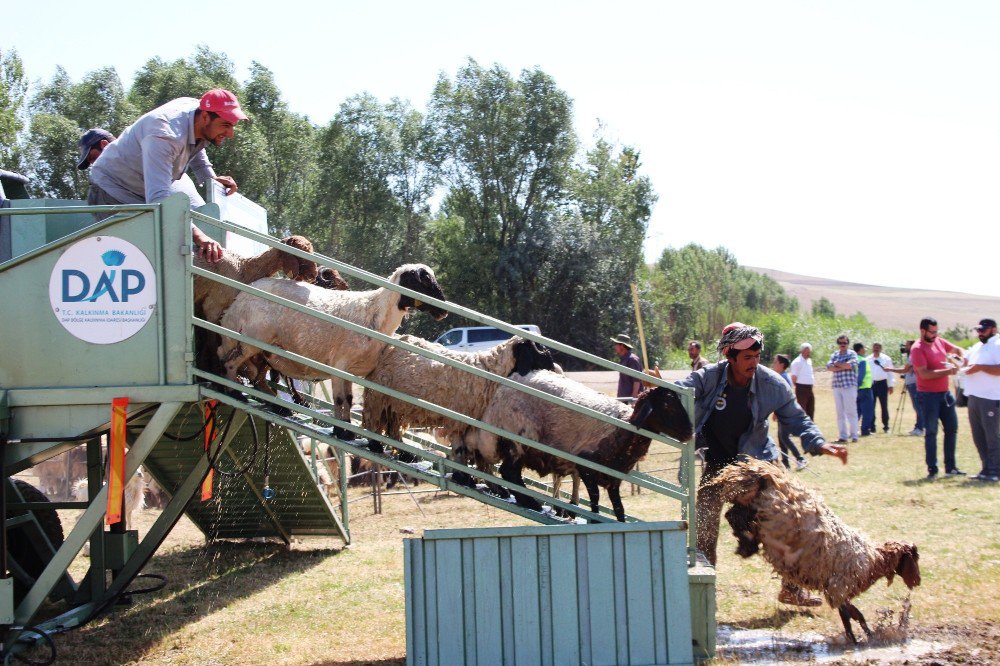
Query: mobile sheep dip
[99, 343]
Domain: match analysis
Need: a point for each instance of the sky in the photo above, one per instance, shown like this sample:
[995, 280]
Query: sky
[849, 140]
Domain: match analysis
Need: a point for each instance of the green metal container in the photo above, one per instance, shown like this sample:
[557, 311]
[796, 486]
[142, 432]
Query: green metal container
[575, 594]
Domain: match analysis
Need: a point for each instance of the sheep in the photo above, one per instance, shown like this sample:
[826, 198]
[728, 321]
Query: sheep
[441, 384]
[211, 299]
[805, 542]
[379, 309]
[658, 410]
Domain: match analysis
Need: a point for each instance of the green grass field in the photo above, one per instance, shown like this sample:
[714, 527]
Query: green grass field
[321, 603]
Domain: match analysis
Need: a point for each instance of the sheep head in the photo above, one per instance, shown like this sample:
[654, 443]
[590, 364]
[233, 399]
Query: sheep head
[743, 521]
[529, 355]
[330, 278]
[297, 268]
[660, 410]
[906, 560]
[419, 278]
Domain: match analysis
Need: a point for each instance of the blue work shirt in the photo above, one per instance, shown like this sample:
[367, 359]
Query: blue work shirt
[769, 394]
[153, 152]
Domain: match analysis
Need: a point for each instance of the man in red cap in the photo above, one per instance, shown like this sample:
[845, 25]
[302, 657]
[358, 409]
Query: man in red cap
[149, 160]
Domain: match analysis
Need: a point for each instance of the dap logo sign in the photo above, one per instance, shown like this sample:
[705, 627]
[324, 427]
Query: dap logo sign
[103, 290]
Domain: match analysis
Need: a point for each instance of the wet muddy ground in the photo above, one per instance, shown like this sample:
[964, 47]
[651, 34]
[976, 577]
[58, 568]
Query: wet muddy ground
[972, 643]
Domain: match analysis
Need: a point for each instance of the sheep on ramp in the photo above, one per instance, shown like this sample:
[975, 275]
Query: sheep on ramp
[805, 541]
[658, 410]
[380, 309]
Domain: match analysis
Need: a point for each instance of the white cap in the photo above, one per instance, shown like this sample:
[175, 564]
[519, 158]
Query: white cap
[805, 345]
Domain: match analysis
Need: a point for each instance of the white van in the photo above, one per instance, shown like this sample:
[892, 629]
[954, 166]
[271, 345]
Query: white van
[474, 338]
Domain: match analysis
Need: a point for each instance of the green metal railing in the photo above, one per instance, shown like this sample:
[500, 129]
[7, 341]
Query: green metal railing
[684, 494]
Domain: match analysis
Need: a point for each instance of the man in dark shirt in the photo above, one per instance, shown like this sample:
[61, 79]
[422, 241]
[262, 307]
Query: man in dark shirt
[694, 353]
[733, 402]
[628, 387]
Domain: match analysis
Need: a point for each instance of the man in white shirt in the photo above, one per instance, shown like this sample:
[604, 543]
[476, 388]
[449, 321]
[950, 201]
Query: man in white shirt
[982, 386]
[801, 371]
[882, 381]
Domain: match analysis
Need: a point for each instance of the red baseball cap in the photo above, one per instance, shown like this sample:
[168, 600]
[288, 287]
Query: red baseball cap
[224, 104]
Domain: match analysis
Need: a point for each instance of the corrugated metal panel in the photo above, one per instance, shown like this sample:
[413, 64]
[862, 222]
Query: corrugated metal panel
[299, 507]
[580, 594]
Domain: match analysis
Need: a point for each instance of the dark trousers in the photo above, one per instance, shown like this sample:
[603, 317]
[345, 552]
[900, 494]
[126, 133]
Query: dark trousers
[934, 407]
[804, 396]
[912, 390]
[787, 446]
[880, 389]
[866, 410]
[984, 420]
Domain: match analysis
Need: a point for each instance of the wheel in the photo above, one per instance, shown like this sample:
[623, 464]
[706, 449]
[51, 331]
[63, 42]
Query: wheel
[21, 549]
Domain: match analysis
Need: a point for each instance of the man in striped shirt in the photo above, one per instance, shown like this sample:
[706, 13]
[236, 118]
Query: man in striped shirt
[844, 365]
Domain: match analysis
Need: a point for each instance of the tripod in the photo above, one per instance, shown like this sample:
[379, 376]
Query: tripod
[897, 419]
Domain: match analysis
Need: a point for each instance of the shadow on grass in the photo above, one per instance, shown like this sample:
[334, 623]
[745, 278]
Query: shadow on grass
[776, 620]
[200, 581]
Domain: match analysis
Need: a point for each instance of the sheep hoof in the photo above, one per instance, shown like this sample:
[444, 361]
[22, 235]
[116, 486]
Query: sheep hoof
[280, 411]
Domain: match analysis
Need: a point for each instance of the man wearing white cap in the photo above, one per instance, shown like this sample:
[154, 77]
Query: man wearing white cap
[149, 160]
[803, 379]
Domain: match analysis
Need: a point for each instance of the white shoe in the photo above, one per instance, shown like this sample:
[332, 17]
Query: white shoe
[917, 432]
[801, 464]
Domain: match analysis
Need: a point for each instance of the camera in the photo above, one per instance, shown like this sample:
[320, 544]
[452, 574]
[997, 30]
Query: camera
[904, 347]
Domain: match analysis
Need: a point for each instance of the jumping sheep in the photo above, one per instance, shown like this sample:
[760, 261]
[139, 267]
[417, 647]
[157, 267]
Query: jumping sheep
[379, 309]
[805, 541]
[658, 410]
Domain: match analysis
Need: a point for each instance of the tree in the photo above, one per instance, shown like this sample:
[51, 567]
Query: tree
[596, 248]
[62, 112]
[823, 308]
[289, 154]
[13, 93]
[506, 148]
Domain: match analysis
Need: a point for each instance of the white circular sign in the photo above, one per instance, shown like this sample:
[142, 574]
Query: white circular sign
[103, 290]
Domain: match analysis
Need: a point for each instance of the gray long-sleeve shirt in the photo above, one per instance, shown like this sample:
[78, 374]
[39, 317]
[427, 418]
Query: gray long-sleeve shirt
[152, 153]
[769, 393]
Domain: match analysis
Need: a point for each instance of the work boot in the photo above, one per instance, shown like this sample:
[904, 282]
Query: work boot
[798, 598]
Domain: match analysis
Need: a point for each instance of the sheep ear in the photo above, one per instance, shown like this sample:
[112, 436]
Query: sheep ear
[644, 411]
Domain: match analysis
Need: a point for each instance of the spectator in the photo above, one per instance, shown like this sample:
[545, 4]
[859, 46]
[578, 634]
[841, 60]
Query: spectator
[929, 357]
[628, 387]
[910, 387]
[982, 386]
[844, 365]
[733, 399]
[780, 365]
[882, 381]
[149, 160]
[91, 145]
[803, 379]
[694, 353]
[865, 400]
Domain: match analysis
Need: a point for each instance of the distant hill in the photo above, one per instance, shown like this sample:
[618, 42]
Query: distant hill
[891, 307]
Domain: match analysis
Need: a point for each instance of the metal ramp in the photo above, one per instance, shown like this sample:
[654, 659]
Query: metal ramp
[52, 396]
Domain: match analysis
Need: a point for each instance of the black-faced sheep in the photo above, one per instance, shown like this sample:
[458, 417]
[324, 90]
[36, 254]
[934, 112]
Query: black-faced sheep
[380, 309]
[805, 542]
[443, 385]
[658, 410]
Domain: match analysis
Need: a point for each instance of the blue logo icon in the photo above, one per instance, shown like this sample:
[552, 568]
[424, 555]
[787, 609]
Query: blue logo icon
[76, 284]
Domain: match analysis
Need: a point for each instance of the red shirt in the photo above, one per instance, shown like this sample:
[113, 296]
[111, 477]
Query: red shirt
[933, 356]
